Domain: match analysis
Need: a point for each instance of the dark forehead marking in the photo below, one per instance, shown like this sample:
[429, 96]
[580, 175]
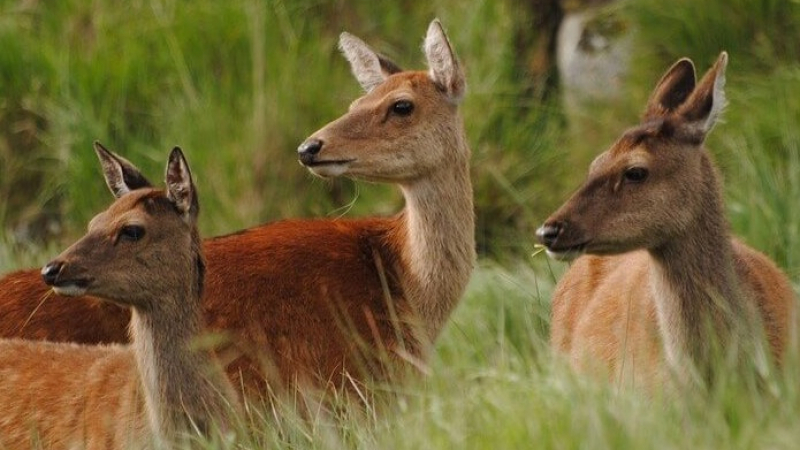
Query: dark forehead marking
[156, 201]
[151, 200]
[647, 129]
[636, 135]
[412, 79]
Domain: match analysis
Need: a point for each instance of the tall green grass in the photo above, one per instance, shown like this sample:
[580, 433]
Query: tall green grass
[240, 84]
[494, 384]
[762, 162]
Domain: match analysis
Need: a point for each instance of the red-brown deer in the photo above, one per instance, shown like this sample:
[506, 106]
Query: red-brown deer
[310, 300]
[664, 290]
[143, 253]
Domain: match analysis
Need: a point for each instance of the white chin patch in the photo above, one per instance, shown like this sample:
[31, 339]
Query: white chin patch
[69, 290]
[564, 256]
[329, 170]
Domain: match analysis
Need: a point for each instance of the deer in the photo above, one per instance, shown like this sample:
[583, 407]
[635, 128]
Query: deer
[324, 303]
[659, 291]
[142, 253]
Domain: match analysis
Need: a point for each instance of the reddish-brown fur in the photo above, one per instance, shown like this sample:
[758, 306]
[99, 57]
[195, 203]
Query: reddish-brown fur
[270, 312]
[292, 325]
[30, 310]
[664, 290]
[343, 251]
[329, 316]
[306, 301]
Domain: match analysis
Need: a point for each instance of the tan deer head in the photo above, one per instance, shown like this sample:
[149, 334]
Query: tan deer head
[400, 129]
[122, 256]
[655, 181]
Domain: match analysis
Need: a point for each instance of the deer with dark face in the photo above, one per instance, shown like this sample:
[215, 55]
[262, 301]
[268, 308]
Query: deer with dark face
[664, 287]
[142, 253]
[325, 302]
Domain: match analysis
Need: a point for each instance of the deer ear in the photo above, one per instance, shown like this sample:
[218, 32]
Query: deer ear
[673, 89]
[369, 67]
[180, 187]
[444, 68]
[703, 108]
[121, 176]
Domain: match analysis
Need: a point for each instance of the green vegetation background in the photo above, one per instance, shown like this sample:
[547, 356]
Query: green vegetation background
[239, 84]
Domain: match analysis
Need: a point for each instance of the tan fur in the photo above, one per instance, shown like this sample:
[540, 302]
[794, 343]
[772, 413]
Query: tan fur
[664, 286]
[69, 396]
[66, 396]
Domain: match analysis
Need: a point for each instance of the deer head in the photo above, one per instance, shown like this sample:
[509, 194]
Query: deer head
[402, 127]
[134, 249]
[655, 181]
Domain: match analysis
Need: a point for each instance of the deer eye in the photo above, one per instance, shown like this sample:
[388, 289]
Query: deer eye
[402, 108]
[635, 174]
[131, 233]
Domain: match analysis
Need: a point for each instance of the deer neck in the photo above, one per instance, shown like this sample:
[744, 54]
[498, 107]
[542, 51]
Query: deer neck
[699, 299]
[173, 374]
[438, 248]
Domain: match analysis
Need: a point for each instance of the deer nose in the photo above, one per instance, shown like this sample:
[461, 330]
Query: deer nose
[549, 232]
[308, 150]
[51, 271]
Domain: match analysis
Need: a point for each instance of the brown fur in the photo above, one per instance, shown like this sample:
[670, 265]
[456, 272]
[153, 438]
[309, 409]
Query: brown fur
[308, 301]
[664, 285]
[58, 395]
[299, 327]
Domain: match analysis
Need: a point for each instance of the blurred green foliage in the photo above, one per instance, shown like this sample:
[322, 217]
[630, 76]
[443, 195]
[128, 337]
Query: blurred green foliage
[240, 84]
